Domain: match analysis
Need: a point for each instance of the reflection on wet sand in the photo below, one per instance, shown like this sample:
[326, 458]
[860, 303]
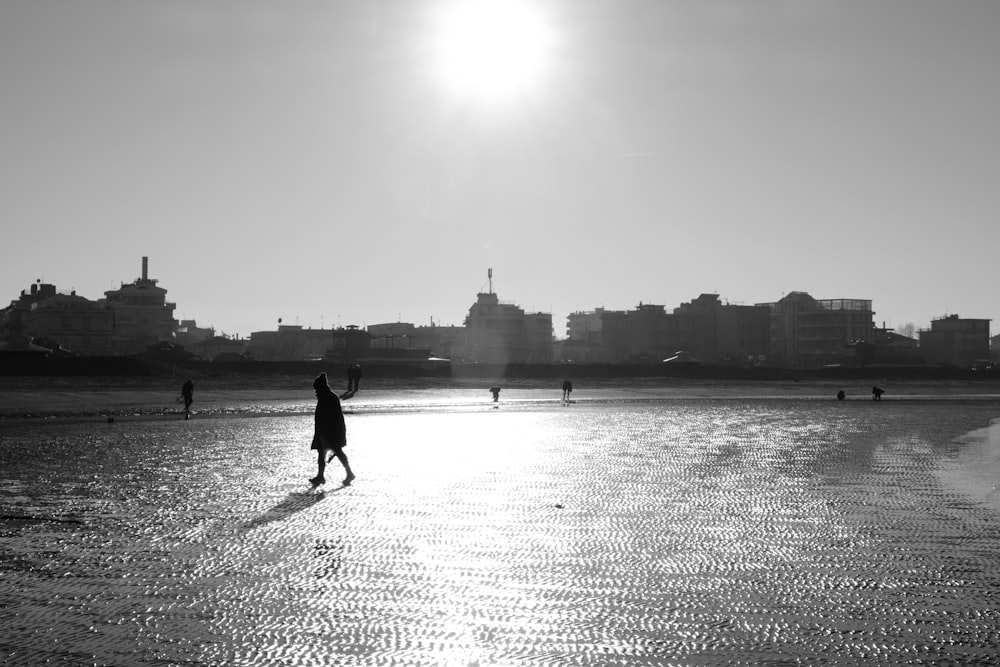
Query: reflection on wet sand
[646, 531]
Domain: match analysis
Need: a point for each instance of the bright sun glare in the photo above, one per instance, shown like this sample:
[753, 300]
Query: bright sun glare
[491, 50]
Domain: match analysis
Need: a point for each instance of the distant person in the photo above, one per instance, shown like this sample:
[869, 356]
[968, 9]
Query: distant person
[353, 376]
[567, 390]
[495, 390]
[841, 395]
[187, 394]
[877, 393]
[330, 432]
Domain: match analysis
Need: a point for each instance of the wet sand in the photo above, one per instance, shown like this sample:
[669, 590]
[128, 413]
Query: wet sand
[633, 527]
[36, 398]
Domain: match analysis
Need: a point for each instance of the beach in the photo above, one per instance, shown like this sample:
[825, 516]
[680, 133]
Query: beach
[641, 524]
[123, 397]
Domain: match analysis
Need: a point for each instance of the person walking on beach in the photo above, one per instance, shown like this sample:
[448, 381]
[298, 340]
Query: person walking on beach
[495, 390]
[353, 376]
[187, 393]
[330, 431]
[877, 393]
[567, 390]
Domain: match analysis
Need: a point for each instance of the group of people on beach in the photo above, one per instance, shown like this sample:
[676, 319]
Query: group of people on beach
[330, 430]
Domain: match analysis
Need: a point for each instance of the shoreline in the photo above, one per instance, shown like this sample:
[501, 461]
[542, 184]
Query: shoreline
[129, 399]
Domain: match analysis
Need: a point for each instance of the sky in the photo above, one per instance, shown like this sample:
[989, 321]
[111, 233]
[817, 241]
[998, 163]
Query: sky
[355, 162]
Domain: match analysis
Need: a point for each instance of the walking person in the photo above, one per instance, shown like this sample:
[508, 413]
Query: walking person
[187, 393]
[353, 377]
[567, 390]
[330, 431]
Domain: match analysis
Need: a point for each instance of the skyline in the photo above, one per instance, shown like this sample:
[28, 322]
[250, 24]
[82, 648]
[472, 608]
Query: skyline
[328, 163]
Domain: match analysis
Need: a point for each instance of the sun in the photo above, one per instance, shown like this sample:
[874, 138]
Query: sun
[491, 50]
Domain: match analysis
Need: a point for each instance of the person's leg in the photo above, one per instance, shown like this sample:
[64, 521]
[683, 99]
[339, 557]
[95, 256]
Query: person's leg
[320, 466]
[342, 457]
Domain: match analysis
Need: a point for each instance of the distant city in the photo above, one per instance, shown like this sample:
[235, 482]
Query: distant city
[797, 331]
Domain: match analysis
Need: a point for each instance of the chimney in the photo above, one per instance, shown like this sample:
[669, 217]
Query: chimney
[145, 268]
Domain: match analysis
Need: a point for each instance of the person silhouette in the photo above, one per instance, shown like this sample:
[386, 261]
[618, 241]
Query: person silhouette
[567, 390]
[353, 376]
[877, 393]
[330, 433]
[495, 390]
[187, 393]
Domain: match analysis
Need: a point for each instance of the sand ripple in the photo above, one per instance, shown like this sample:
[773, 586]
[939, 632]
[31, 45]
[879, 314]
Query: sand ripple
[693, 533]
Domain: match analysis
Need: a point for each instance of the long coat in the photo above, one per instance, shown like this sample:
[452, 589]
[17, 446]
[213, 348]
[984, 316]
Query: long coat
[329, 420]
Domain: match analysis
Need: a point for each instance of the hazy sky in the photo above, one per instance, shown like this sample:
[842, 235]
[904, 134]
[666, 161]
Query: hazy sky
[358, 162]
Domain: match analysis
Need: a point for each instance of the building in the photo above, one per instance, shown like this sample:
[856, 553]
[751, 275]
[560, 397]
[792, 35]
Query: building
[189, 333]
[142, 314]
[66, 323]
[538, 338]
[720, 333]
[647, 335]
[954, 341]
[584, 342]
[888, 348]
[501, 333]
[810, 333]
[290, 342]
[221, 348]
[440, 341]
[349, 344]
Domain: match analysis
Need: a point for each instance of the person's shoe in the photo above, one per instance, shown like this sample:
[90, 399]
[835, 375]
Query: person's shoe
[349, 479]
[316, 481]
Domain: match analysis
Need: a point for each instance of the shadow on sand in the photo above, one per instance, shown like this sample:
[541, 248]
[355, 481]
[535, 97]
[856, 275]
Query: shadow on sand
[295, 502]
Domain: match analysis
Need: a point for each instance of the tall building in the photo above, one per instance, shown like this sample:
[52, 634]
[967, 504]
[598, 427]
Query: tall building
[954, 341]
[811, 333]
[142, 314]
[501, 333]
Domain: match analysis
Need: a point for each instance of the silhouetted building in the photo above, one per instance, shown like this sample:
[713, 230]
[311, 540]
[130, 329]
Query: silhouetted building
[222, 348]
[291, 343]
[720, 333]
[538, 338]
[585, 338]
[439, 340]
[887, 348]
[349, 344]
[395, 343]
[953, 341]
[811, 333]
[65, 323]
[189, 333]
[647, 335]
[142, 315]
[501, 333]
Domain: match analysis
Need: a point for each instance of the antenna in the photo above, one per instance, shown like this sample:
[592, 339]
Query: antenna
[489, 274]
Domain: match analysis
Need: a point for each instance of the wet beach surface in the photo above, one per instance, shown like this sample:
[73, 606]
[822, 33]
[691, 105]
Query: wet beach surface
[642, 525]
